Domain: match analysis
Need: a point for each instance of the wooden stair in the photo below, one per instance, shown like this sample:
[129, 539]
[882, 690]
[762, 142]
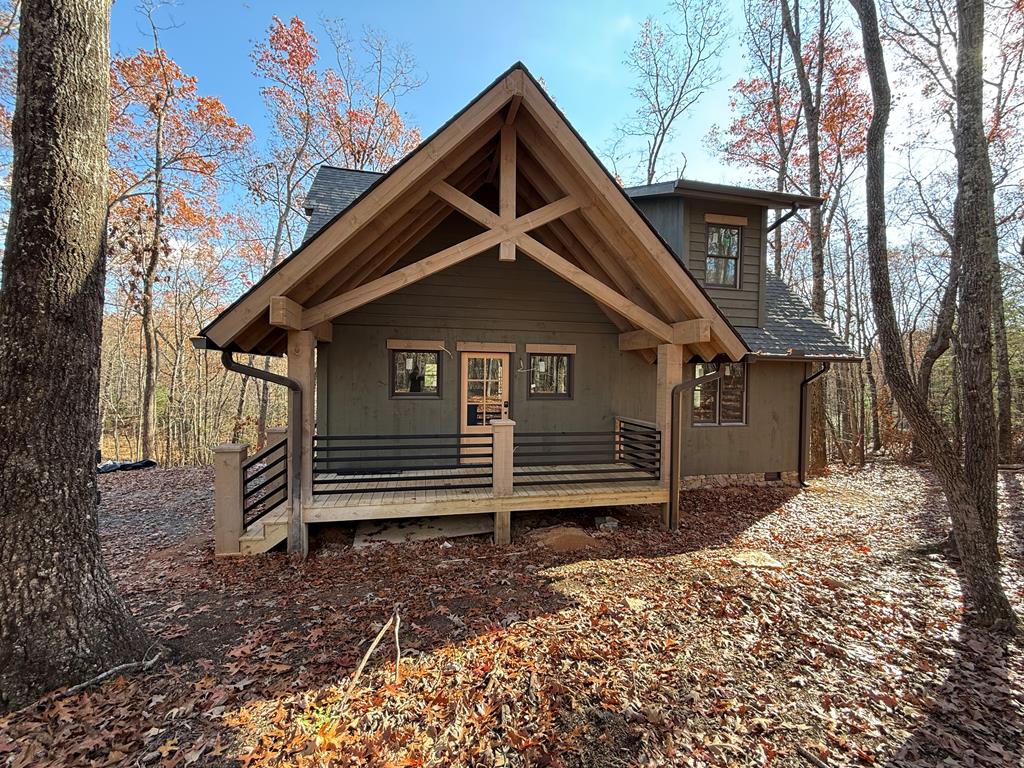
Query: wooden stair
[265, 533]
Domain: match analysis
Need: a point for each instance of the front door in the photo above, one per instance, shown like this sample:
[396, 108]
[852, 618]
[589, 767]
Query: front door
[484, 398]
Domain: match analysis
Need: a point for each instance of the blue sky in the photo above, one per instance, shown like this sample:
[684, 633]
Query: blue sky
[577, 47]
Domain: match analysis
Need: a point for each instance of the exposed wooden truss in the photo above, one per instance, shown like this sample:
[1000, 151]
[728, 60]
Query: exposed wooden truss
[554, 204]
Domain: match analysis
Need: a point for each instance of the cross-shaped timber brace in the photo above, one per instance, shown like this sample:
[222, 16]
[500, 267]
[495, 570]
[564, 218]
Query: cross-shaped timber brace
[508, 232]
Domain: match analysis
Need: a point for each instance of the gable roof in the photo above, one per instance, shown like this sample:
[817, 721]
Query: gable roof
[578, 214]
[790, 328]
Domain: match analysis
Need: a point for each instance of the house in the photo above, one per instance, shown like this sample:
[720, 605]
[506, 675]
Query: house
[495, 325]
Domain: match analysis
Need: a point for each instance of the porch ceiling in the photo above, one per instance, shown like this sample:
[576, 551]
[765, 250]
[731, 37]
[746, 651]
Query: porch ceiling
[553, 205]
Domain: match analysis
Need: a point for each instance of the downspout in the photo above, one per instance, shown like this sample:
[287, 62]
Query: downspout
[294, 442]
[782, 219]
[801, 462]
[676, 443]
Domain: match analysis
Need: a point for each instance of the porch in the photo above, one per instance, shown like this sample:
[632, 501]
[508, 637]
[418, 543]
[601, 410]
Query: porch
[366, 477]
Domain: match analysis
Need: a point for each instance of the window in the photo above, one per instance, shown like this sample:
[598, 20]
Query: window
[723, 401]
[415, 374]
[723, 256]
[550, 375]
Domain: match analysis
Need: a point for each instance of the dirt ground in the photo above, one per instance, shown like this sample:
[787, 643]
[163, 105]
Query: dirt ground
[846, 645]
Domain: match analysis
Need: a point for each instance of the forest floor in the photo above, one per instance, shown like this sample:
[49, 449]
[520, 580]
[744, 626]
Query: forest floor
[648, 648]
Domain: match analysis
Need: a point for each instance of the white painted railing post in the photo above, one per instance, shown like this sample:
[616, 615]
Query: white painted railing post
[228, 496]
[501, 475]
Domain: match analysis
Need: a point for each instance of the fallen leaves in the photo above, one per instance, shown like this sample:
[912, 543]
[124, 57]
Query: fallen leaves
[650, 649]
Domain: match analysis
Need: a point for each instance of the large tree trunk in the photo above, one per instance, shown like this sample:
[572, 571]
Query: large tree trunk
[810, 97]
[975, 234]
[970, 489]
[60, 616]
[1004, 391]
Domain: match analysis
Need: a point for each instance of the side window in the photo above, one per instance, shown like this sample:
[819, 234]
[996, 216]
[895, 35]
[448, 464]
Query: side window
[550, 375]
[415, 373]
[723, 401]
[723, 256]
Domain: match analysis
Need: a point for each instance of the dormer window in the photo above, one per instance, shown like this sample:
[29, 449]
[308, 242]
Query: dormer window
[722, 265]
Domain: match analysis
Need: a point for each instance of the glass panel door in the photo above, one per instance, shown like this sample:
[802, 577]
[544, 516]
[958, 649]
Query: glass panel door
[485, 381]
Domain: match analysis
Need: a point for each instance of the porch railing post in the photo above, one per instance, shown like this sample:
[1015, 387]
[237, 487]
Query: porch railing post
[278, 436]
[228, 496]
[501, 475]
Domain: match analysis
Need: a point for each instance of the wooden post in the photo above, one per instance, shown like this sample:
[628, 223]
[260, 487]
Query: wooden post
[501, 475]
[277, 436]
[670, 373]
[228, 497]
[301, 368]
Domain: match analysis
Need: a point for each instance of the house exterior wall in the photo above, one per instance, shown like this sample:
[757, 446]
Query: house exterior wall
[768, 442]
[484, 300]
[680, 222]
[479, 300]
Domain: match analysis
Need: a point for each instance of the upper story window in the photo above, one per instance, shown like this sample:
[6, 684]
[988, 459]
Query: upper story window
[722, 266]
[723, 401]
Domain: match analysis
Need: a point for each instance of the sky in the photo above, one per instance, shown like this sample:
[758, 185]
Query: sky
[577, 47]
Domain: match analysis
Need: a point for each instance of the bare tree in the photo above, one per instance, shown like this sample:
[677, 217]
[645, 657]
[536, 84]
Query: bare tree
[61, 618]
[969, 487]
[810, 75]
[675, 63]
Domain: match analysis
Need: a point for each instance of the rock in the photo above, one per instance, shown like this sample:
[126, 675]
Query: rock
[606, 523]
[753, 558]
[563, 538]
[636, 605]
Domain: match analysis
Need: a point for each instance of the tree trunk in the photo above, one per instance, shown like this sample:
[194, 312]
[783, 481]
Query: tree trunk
[61, 619]
[236, 428]
[975, 234]
[1004, 391]
[969, 489]
[876, 427]
[810, 97]
[151, 260]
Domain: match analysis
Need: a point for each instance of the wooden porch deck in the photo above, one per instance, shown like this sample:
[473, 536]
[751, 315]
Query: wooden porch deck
[566, 487]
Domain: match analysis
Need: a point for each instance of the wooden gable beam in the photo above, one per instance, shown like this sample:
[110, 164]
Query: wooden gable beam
[465, 204]
[537, 104]
[507, 187]
[438, 156]
[556, 233]
[437, 262]
[687, 332]
[597, 290]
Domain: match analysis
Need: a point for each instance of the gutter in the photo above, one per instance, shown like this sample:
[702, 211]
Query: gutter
[295, 537]
[801, 461]
[675, 463]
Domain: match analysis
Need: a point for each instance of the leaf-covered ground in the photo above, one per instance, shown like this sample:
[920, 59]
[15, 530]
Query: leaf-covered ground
[648, 649]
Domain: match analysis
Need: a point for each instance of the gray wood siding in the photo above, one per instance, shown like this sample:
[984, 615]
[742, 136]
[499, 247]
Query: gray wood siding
[680, 222]
[480, 300]
[523, 303]
[666, 216]
[766, 443]
[740, 305]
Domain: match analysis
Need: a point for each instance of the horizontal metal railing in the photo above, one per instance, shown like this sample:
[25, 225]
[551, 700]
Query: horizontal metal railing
[265, 482]
[629, 453]
[363, 464]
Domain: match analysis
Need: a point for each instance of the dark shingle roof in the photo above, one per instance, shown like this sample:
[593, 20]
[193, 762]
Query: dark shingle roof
[333, 190]
[790, 325]
[789, 322]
